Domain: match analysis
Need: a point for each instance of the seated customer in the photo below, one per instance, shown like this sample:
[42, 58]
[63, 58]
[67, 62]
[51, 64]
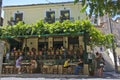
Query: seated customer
[18, 64]
[66, 63]
[33, 65]
[78, 67]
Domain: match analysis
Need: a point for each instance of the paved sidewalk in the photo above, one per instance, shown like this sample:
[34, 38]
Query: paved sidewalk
[105, 75]
[44, 76]
[113, 74]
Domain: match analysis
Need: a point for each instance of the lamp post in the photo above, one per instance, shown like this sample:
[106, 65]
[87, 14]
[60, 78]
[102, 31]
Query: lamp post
[113, 47]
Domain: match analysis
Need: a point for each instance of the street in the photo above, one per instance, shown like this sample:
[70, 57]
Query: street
[12, 78]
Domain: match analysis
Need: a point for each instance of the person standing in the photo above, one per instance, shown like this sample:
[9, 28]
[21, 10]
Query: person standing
[100, 64]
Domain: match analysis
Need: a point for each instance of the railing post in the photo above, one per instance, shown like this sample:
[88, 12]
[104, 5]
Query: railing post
[85, 47]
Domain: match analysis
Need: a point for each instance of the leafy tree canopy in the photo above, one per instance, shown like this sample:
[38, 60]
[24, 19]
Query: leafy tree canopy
[100, 7]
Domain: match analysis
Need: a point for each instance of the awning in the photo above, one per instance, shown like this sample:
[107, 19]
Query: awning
[44, 35]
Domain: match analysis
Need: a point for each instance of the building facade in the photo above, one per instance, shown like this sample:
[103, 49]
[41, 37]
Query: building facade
[49, 12]
[108, 25]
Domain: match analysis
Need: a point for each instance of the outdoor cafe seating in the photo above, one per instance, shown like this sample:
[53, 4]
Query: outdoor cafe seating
[46, 64]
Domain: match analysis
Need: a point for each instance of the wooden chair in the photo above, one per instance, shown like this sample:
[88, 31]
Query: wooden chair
[44, 70]
[3, 69]
[9, 69]
[81, 71]
[15, 71]
[60, 69]
[68, 70]
[55, 69]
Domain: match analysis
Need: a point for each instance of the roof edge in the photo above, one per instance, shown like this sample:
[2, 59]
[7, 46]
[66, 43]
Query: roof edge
[39, 4]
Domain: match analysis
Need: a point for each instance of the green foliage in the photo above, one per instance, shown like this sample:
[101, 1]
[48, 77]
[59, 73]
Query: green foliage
[101, 7]
[41, 28]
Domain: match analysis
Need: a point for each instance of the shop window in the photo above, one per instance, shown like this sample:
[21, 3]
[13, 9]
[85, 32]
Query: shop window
[73, 42]
[43, 43]
[57, 42]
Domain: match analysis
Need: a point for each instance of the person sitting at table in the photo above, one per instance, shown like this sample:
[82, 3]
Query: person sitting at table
[79, 66]
[67, 68]
[18, 64]
[66, 63]
[33, 65]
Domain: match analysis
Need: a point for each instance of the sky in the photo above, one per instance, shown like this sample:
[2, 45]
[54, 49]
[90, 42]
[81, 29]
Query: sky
[24, 2]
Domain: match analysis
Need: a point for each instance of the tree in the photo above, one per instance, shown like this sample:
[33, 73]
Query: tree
[100, 7]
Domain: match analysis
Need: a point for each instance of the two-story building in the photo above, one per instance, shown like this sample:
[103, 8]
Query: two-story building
[49, 12]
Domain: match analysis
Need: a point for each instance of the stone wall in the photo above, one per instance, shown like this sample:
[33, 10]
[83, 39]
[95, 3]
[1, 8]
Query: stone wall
[1, 54]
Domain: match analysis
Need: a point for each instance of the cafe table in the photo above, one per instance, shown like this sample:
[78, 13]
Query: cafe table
[8, 68]
[25, 67]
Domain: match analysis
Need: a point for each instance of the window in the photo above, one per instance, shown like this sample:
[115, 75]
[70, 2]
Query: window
[50, 16]
[73, 41]
[65, 15]
[57, 42]
[18, 17]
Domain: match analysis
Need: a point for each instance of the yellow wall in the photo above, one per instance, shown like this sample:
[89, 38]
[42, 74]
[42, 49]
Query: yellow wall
[32, 43]
[33, 13]
[117, 51]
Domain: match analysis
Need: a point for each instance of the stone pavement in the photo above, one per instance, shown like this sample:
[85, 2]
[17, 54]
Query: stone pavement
[112, 74]
[106, 75]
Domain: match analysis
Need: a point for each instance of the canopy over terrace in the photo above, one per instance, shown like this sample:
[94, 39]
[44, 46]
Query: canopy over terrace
[21, 41]
[24, 40]
[43, 35]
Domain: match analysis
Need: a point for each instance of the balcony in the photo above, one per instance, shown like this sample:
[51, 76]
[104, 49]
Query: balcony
[49, 20]
[12, 22]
